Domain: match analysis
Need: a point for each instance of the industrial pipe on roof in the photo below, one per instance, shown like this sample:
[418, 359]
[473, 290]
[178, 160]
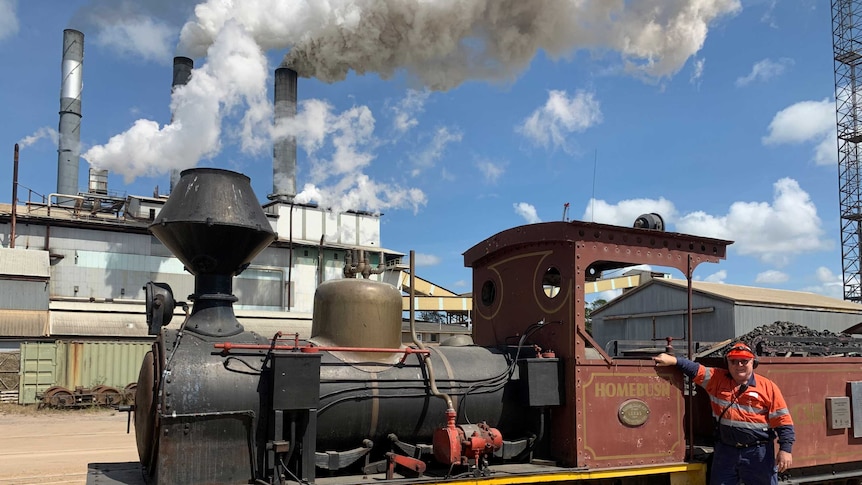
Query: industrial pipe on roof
[284, 148]
[182, 73]
[69, 145]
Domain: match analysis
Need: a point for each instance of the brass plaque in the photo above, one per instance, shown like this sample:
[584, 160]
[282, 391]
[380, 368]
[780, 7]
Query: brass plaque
[633, 412]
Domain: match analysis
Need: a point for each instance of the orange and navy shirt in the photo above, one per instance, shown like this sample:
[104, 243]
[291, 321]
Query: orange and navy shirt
[757, 414]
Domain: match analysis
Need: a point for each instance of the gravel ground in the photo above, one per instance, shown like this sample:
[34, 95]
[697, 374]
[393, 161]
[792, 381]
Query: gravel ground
[56, 447]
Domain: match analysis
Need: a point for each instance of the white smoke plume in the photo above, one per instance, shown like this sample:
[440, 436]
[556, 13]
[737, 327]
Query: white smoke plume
[442, 43]
[43, 132]
[446, 42]
[234, 75]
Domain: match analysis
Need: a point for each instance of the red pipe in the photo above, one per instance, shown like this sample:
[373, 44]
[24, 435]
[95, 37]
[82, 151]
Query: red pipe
[228, 346]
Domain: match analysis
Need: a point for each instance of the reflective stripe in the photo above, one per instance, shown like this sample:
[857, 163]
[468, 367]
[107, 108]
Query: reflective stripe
[741, 424]
[779, 412]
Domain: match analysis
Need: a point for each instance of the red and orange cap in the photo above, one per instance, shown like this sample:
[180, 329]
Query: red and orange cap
[740, 351]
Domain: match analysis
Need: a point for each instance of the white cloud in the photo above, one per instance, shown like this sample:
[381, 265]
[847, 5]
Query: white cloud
[697, 71]
[550, 125]
[772, 277]
[830, 284]
[527, 211]
[625, 212]
[765, 70]
[773, 233]
[607, 295]
[421, 259]
[406, 110]
[8, 18]
[429, 156]
[807, 122]
[801, 122]
[718, 277]
[826, 152]
[141, 36]
[491, 171]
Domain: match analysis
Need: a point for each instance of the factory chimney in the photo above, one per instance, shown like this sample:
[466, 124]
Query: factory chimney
[182, 73]
[284, 149]
[69, 146]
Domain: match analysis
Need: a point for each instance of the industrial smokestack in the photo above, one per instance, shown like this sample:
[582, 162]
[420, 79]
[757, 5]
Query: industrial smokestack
[182, 73]
[69, 146]
[284, 149]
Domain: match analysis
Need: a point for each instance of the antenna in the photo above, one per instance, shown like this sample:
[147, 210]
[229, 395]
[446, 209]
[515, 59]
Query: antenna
[566, 212]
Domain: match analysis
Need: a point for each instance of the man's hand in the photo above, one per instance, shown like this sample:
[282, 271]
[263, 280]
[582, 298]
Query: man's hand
[783, 461]
[664, 360]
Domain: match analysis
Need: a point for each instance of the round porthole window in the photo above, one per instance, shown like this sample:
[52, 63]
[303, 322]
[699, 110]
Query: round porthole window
[551, 282]
[489, 293]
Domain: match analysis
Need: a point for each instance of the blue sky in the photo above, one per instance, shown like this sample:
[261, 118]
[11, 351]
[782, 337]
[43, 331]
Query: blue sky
[458, 120]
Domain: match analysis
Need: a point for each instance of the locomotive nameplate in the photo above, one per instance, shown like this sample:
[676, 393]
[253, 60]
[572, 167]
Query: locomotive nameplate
[633, 412]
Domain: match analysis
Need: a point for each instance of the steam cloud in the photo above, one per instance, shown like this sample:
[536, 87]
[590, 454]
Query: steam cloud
[442, 43]
[446, 42]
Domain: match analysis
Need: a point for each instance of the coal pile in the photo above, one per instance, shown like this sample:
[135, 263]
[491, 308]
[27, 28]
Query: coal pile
[789, 339]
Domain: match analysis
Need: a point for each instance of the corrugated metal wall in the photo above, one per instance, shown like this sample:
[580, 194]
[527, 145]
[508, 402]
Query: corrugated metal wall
[725, 320]
[38, 370]
[71, 364]
[749, 317]
[713, 325]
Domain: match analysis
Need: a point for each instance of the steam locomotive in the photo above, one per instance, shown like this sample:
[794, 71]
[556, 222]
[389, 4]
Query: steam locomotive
[531, 398]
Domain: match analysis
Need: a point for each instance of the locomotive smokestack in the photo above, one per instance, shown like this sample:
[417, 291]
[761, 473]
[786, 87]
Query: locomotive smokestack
[215, 226]
[182, 73]
[284, 149]
[69, 146]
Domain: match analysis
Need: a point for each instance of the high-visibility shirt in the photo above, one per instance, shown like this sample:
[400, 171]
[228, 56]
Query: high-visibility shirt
[756, 414]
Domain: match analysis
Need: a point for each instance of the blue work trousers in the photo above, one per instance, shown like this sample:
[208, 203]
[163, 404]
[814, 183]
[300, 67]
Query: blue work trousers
[753, 466]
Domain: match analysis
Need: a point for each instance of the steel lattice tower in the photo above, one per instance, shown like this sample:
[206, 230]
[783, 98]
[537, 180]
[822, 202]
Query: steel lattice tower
[847, 51]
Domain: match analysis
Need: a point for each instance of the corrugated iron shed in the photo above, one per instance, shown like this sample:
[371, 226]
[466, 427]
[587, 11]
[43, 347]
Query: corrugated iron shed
[770, 296]
[658, 309]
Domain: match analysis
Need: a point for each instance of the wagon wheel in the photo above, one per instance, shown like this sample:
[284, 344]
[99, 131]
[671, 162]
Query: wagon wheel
[59, 396]
[97, 394]
[130, 391]
[108, 396]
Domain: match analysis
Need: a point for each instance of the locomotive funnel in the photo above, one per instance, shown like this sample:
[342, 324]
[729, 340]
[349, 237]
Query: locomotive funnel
[213, 222]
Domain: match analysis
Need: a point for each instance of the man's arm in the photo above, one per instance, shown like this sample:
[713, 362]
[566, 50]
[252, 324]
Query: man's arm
[698, 373]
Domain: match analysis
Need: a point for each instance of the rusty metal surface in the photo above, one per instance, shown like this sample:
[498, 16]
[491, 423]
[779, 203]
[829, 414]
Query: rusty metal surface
[611, 438]
[538, 272]
[623, 244]
[805, 384]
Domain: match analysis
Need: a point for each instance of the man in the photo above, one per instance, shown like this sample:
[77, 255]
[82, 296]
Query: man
[750, 412]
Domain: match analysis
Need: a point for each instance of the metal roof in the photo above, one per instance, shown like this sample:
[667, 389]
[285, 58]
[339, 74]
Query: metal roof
[23, 323]
[25, 263]
[766, 296]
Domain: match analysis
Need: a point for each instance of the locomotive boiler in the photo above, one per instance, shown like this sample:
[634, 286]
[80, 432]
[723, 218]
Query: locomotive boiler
[217, 404]
[530, 399]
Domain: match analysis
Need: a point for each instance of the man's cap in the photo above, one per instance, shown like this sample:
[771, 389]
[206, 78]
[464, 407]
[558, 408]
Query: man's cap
[740, 351]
